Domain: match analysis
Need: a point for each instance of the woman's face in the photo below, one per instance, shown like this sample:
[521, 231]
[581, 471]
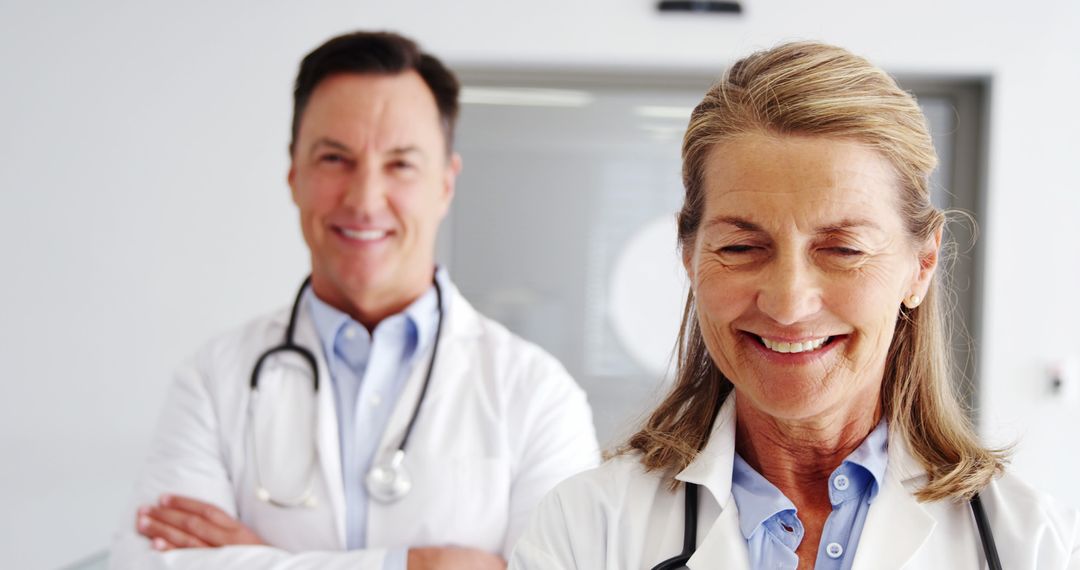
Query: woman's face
[799, 268]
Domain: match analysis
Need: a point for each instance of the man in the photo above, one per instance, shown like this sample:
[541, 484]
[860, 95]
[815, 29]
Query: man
[295, 462]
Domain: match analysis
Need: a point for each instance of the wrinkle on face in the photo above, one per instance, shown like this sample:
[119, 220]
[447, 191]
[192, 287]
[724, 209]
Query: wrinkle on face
[801, 234]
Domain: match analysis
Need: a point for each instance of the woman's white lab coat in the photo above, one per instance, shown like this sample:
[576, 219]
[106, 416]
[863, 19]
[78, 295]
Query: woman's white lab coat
[501, 424]
[618, 517]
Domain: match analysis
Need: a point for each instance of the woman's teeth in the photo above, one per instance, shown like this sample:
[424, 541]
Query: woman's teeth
[793, 347]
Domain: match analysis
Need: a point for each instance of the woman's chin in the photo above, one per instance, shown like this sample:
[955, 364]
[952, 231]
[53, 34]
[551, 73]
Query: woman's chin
[784, 405]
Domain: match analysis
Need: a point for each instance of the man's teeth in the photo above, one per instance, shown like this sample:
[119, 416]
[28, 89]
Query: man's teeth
[364, 235]
[794, 347]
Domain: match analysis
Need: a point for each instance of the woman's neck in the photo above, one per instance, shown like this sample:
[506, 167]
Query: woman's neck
[798, 456]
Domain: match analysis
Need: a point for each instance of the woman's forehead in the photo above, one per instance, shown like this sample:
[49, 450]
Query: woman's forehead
[813, 181]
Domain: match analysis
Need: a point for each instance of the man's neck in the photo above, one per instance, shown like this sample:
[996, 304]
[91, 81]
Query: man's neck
[370, 306]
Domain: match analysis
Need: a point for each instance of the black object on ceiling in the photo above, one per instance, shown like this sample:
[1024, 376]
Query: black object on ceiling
[708, 6]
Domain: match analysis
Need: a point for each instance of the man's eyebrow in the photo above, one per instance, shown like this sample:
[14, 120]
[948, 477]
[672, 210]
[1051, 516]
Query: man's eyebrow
[741, 223]
[847, 224]
[406, 150]
[324, 141]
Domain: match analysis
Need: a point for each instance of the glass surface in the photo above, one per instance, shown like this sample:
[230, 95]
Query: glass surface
[563, 227]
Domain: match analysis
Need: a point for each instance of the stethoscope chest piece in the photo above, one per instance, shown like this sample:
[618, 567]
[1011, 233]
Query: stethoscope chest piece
[389, 482]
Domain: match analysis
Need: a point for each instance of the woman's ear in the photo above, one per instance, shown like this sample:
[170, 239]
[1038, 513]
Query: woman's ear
[688, 262]
[928, 256]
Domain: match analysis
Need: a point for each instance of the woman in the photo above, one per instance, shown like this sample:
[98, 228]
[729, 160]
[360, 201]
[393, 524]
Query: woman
[812, 414]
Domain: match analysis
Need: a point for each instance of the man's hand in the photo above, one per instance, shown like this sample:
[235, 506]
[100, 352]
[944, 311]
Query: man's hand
[181, 522]
[453, 558]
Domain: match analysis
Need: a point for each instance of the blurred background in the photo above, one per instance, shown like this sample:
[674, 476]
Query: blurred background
[144, 206]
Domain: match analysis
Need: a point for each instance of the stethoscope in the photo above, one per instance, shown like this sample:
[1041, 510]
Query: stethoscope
[690, 513]
[388, 480]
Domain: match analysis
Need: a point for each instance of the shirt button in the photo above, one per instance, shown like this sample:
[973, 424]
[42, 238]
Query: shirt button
[350, 333]
[375, 400]
[834, 550]
[841, 482]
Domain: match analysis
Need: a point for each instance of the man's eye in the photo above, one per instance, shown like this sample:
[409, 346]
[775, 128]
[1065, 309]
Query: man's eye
[845, 251]
[332, 158]
[401, 165]
[737, 249]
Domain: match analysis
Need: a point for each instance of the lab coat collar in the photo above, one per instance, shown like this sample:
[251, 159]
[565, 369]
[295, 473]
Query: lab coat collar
[880, 545]
[724, 545]
[712, 467]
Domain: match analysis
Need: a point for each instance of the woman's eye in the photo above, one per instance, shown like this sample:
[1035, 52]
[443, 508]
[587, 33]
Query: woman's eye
[845, 251]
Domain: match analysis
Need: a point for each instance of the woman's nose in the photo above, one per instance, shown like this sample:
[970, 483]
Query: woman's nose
[789, 292]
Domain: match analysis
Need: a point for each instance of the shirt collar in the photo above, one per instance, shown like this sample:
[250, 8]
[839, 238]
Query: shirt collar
[422, 316]
[757, 498]
[873, 455]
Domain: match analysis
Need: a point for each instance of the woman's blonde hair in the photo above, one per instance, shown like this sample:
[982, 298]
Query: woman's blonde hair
[813, 89]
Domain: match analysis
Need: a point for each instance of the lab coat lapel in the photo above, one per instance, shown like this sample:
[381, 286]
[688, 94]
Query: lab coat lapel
[327, 429]
[406, 404]
[449, 364]
[897, 525]
[724, 545]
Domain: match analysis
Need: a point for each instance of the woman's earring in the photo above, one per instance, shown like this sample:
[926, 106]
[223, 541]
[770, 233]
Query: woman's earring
[912, 301]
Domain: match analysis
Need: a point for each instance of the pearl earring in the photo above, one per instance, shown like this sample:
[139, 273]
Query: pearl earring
[912, 301]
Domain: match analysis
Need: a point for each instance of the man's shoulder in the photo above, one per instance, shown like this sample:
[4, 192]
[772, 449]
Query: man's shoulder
[500, 343]
[255, 334]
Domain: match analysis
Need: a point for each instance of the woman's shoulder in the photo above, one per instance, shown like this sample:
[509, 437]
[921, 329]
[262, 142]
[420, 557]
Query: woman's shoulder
[595, 519]
[1031, 528]
[1017, 507]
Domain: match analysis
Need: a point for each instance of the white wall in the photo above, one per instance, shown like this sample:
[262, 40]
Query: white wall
[142, 163]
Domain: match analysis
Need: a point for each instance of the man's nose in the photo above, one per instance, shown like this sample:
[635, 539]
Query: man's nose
[366, 191]
[789, 291]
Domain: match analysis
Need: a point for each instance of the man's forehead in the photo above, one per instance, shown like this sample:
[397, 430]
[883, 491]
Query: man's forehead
[386, 110]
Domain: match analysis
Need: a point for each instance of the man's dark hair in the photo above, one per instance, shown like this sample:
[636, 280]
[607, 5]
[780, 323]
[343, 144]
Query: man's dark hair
[383, 53]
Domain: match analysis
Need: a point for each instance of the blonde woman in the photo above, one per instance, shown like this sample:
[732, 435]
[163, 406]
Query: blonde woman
[812, 423]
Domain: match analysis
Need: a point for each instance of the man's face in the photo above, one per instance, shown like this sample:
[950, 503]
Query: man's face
[372, 179]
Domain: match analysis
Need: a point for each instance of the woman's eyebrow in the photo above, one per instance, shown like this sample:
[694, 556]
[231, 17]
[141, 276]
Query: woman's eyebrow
[846, 225]
[740, 223]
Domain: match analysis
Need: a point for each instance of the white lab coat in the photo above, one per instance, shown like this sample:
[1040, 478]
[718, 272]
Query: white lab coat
[618, 517]
[501, 424]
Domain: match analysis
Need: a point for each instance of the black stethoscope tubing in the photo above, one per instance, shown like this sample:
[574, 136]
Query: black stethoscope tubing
[690, 531]
[289, 345]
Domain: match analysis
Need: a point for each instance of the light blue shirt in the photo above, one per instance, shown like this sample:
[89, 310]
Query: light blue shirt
[368, 372]
[771, 525]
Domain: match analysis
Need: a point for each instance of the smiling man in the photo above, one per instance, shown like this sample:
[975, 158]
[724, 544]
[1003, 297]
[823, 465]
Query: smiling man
[381, 422]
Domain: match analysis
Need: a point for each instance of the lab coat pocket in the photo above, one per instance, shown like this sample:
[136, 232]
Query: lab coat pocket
[482, 502]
